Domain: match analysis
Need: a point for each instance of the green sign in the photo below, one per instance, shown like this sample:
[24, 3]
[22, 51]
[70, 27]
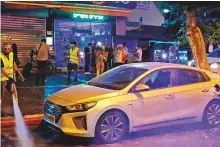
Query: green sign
[88, 16]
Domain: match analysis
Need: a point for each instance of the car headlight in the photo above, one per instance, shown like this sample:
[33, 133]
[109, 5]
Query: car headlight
[214, 65]
[81, 107]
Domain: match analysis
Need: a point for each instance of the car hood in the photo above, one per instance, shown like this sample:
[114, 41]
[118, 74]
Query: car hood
[81, 94]
[213, 60]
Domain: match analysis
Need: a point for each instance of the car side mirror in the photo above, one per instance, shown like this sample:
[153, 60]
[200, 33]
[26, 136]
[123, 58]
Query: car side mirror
[141, 87]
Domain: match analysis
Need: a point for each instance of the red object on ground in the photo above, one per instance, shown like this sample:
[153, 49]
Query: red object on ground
[10, 122]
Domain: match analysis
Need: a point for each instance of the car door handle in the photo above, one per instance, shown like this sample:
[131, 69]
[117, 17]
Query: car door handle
[170, 96]
[205, 90]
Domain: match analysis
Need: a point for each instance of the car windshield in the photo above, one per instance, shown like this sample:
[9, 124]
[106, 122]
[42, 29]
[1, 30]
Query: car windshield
[215, 53]
[117, 78]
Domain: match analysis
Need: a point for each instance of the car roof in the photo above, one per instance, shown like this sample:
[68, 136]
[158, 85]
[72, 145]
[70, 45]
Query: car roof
[152, 65]
[158, 65]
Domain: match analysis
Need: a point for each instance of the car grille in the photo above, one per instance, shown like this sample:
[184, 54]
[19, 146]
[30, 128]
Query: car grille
[54, 110]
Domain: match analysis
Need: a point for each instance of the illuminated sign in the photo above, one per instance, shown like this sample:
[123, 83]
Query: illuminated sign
[98, 2]
[88, 16]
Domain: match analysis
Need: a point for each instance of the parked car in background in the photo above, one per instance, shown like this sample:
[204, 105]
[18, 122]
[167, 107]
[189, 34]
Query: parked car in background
[135, 97]
[213, 60]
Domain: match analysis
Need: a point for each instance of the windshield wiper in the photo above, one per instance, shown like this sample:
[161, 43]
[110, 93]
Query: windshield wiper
[93, 84]
[102, 85]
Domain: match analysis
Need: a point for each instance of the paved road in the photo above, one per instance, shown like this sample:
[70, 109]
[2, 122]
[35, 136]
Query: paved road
[190, 135]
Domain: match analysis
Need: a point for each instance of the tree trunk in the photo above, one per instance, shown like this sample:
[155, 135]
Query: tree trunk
[196, 42]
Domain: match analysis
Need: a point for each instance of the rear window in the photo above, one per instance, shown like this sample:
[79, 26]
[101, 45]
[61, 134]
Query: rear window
[185, 77]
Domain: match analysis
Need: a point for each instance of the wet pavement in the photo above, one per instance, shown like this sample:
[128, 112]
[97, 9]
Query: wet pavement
[32, 97]
[189, 135]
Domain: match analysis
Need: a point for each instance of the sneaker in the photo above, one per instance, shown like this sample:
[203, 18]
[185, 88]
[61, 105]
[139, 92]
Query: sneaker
[86, 73]
[67, 83]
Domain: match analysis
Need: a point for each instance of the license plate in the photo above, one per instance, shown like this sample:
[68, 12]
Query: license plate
[51, 118]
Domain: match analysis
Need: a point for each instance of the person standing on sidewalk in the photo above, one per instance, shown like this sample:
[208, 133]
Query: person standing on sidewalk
[126, 50]
[109, 50]
[88, 57]
[8, 68]
[15, 52]
[73, 62]
[139, 53]
[119, 55]
[43, 52]
[100, 57]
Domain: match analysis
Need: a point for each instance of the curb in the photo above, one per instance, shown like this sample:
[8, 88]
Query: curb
[28, 119]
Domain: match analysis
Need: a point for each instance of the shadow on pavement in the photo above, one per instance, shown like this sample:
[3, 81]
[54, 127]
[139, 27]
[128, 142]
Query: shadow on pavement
[52, 137]
[166, 130]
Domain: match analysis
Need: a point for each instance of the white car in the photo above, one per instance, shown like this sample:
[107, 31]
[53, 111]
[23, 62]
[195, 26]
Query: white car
[213, 60]
[135, 97]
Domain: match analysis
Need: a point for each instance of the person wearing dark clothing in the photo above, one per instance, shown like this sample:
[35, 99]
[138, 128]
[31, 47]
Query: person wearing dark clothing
[88, 56]
[15, 52]
[146, 55]
[189, 54]
[43, 52]
[93, 58]
[109, 51]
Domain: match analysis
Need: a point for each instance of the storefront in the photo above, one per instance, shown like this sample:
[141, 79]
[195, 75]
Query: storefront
[84, 29]
[25, 32]
[69, 21]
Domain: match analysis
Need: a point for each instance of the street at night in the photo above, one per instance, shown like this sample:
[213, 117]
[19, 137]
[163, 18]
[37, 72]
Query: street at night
[177, 136]
[110, 73]
[31, 102]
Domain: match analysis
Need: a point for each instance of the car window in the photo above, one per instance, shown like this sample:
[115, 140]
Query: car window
[215, 53]
[158, 79]
[185, 77]
[118, 78]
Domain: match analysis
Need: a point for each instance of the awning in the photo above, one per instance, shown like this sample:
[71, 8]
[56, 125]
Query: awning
[79, 8]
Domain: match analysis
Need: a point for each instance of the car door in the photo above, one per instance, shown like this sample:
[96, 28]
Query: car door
[156, 104]
[194, 89]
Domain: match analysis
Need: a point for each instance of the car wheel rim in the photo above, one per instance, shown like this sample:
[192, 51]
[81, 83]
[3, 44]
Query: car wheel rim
[112, 127]
[213, 114]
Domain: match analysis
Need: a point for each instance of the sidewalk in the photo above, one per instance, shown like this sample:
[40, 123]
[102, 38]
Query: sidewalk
[32, 98]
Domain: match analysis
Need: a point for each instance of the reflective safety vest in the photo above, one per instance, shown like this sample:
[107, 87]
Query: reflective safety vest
[8, 65]
[74, 56]
[118, 56]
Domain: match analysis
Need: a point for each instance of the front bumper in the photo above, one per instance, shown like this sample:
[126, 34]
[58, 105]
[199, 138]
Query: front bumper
[81, 124]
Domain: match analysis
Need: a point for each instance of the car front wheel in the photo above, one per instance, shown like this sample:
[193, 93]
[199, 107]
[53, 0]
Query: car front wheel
[212, 114]
[111, 127]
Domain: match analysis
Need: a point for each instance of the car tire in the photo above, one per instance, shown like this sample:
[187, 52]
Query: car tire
[111, 127]
[211, 116]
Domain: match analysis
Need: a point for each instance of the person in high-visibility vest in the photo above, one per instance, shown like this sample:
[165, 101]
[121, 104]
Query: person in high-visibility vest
[8, 68]
[119, 55]
[100, 58]
[73, 62]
